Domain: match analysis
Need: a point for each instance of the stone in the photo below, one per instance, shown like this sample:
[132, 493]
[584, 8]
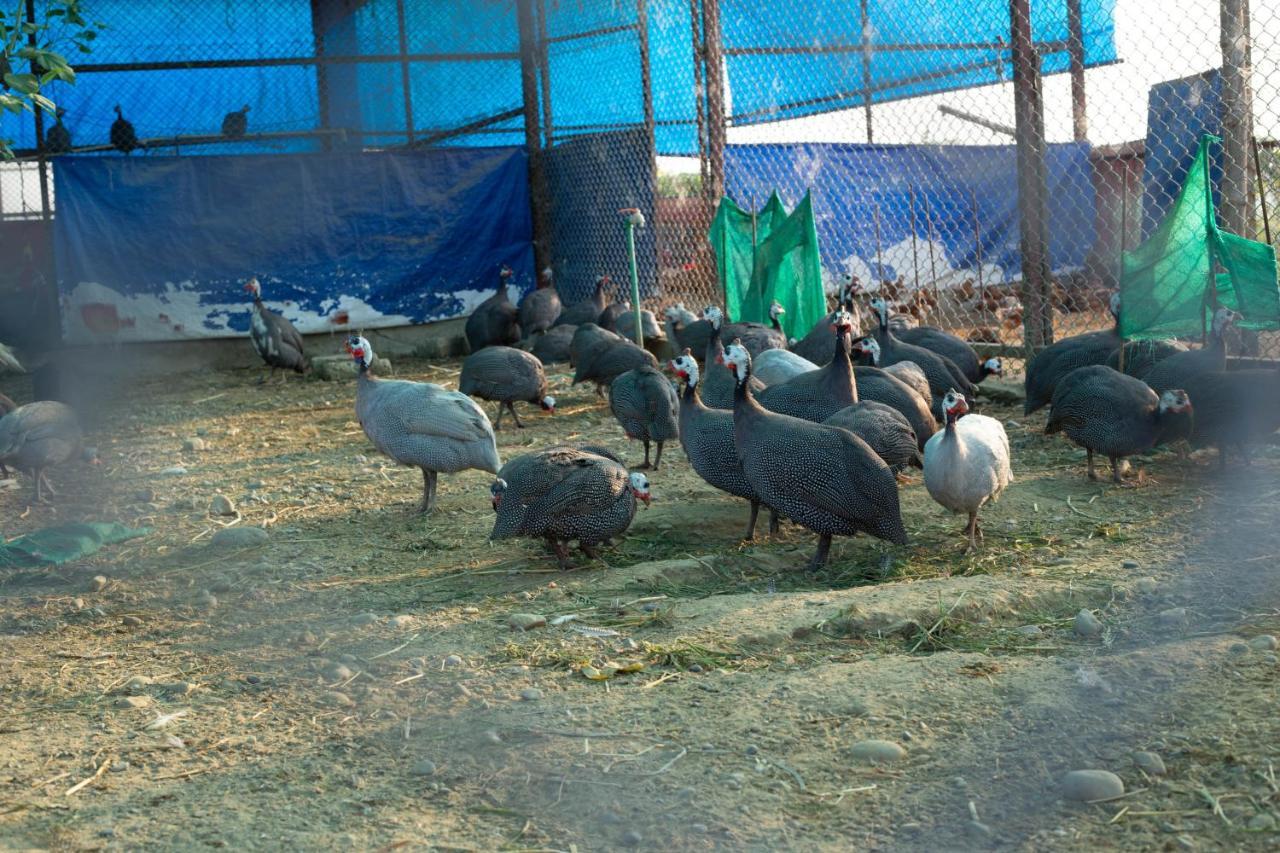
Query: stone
[337, 672]
[233, 538]
[144, 496]
[1147, 585]
[119, 766]
[194, 444]
[525, 621]
[1149, 763]
[1263, 643]
[632, 838]
[336, 368]
[453, 660]
[1130, 564]
[1033, 631]
[424, 767]
[876, 751]
[401, 621]
[492, 736]
[177, 688]
[1238, 649]
[530, 694]
[130, 621]
[337, 700]
[471, 611]
[362, 619]
[1262, 822]
[99, 583]
[222, 505]
[206, 600]
[173, 471]
[136, 685]
[1174, 617]
[134, 702]
[1088, 786]
[1087, 625]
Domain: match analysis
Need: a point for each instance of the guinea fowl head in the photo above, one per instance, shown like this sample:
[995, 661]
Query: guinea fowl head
[252, 286]
[738, 360]
[954, 406]
[360, 350]
[496, 490]
[1114, 306]
[545, 277]
[881, 308]
[714, 316]
[994, 367]
[674, 312]
[1175, 401]
[119, 113]
[1224, 318]
[639, 484]
[869, 347]
[685, 367]
[776, 310]
[548, 404]
[505, 272]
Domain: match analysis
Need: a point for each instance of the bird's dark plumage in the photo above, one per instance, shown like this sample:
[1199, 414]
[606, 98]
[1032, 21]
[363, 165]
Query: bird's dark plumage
[645, 404]
[589, 309]
[275, 338]
[57, 139]
[39, 436]
[818, 394]
[540, 307]
[554, 345]
[494, 321]
[949, 346]
[235, 124]
[942, 372]
[507, 376]
[1062, 357]
[123, 137]
[1235, 409]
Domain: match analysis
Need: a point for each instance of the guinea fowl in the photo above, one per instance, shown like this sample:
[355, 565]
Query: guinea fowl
[775, 366]
[586, 338]
[1181, 368]
[564, 493]
[1061, 357]
[589, 309]
[275, 339]
[756, 337]
[554, 345]
[691, 333]
[57, 139]
[942, 373]
[626, 325]
[907, 371]
[959, 351]
[235, 124]
[6, 406]
[1234, 409]
[717, 388]
[606, 360]
[818, 346]
[494, 322]
[822, 477]
[675, 320]
[644, 403]
[39, 436]
[818, 394]
[422, 425]
[540, 307]
[505, 375]
[707, 438]
[609, 316]
[966, 465]
[1141, 356]
[123, 136]
[884, 429]
[1107, 412]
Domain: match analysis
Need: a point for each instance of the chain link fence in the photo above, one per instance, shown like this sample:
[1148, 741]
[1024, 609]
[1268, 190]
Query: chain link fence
[902, 120]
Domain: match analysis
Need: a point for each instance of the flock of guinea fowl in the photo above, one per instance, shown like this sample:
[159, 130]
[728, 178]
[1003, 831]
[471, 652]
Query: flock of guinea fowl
[817, 431]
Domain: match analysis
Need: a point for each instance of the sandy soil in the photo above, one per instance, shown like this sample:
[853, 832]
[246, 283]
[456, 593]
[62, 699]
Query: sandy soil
[354, 682]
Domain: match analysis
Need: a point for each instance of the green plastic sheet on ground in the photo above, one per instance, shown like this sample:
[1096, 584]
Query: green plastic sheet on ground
[54, 546]
[774, 257]
[1164, 283]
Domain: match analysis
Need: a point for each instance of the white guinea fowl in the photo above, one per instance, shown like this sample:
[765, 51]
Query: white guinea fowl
[422, 424]
[966, 465]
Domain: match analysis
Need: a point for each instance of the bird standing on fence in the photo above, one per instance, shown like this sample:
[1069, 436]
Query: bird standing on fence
[57, 140]
[235, 124]
[274, 338]
[123, 136]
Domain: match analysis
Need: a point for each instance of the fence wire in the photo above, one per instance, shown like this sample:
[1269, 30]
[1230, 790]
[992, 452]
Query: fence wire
[666, 104]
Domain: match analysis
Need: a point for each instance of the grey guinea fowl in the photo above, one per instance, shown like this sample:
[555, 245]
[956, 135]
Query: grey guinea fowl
[589, 309]
[275, 339]
[908, 371]
[1061, 357]
[1235, 409]
[707, 438]
[1106, 412]
[607, 360]
[554, 345]
[756, 337]
[717, 387]
[564, 493]
[123, 137]
[818, 346]
[1177, 370]
[966, 465]
[6, 406]
[586, 338]
[942, 372]
[949, 346]
[819, 394]
[39, 436]
[645, 404]
[236, 123]
[884, 429]
[691, 333]
[57, 140]
[494, 322]
[626, 325]
[506, 375]
[822, 477]
[422, 425]
[609, 316]
[540, 307]
[778, 365]
[675, 320]
[1141, 356]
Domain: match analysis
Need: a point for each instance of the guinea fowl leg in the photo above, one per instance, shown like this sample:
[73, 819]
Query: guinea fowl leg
[497, 425]
[428, 492]
[589, 550]
[646, 454]
[657, 460]
[562, 553]
[1093, 475]
[48, 487]
[972, 530]
[1116, 463]
[820, 558]
[774, 524]
[751, 523]
[512, 407]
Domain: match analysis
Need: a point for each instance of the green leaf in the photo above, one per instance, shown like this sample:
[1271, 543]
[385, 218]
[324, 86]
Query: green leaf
[44, 103]
[27, 84]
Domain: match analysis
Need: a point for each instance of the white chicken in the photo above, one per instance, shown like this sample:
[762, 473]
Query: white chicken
[966, 465]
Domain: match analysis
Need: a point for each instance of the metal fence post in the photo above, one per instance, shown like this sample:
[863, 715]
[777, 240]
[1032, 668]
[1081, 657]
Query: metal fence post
[539, 197]
[713, 56]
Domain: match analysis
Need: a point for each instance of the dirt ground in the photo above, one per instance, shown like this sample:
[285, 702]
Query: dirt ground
[354, 683]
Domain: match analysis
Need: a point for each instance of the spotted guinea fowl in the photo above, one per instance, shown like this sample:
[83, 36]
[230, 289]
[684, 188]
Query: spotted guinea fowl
[39, 436]
[884, 429]
[626, 325]
[942, 372]
[1141, 356]
[123, 137]
[1180, 368]
[908, 371]
[422, 425]
[818, 346]
[778, 365]
[818, 394]
[564, 493]
[586, 338]
[555, 345]
[236, 123]
[706, 435]
[609, 316]
[966, 464]
[645, 404]
[506, 375]
[589, 309]
[756, 337]
[275, 339]
[1234, 410]
[717, 386]
[495, 321]
[540, 307]
[822, 477]
[6, 406]
[676, 323]
[1061, 357]
[1107, 412]
[949, 346]
[57, 139]
[607, 360]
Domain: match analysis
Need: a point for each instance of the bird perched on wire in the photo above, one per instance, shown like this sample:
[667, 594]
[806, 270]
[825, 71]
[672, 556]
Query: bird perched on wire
[57, 140]
[236, 123]
[123, 137]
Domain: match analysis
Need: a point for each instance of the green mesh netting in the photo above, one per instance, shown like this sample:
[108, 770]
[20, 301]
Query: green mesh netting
[1164, 282]
[54, 546]
[774, 257]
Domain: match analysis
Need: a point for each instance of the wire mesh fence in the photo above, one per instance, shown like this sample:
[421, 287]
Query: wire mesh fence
[903, 121]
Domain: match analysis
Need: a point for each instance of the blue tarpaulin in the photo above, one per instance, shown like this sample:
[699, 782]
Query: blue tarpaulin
[1179, 112]
[158, 248]
[854, 185]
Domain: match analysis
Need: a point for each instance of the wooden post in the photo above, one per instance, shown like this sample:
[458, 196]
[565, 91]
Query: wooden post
[1075, 51]
[699, 95]
[865, 37]
[1237, 118]
[42, 162]
[646, 86]
[544, 71]
[539, 197]
[1032, 180]
[713, 55]
[404, 69]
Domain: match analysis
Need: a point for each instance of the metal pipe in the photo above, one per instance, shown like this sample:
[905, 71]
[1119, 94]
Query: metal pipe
[915, 257]
[875, 212]
[864, 37]
[993, 126]
[538, 195]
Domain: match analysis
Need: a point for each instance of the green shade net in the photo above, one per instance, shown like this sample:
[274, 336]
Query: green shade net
[1164, 281]
[774, 257]
[54, 546]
